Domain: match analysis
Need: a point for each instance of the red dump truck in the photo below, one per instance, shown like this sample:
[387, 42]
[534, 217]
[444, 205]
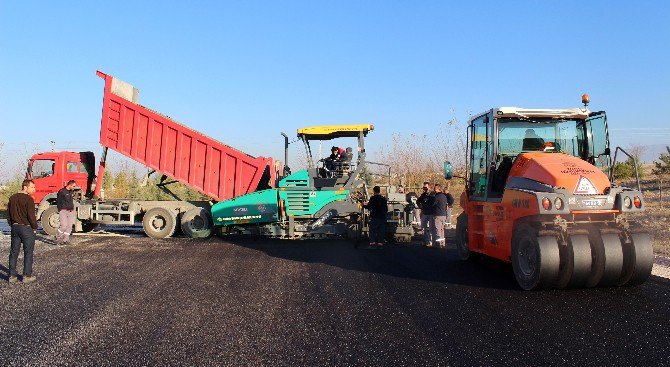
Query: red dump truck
[166, 147]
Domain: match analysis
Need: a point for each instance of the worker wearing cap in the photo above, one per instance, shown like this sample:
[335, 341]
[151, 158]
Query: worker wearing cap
[334, 154]
[333, 160]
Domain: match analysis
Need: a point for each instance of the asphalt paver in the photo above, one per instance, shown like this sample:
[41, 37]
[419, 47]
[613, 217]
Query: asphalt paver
[250, 301]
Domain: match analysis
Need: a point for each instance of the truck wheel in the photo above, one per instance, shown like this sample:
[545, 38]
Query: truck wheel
[197, 223]
[159, 223]
[462, 245]
[50, 221]
[535, 259]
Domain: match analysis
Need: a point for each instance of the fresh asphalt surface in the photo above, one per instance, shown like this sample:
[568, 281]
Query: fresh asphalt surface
[244, 301]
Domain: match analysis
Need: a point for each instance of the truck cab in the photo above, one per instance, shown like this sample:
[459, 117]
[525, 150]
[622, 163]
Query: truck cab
[52, 170]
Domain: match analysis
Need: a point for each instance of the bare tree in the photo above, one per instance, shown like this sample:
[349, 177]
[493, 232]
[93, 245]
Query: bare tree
[637, 151]
[416, 158]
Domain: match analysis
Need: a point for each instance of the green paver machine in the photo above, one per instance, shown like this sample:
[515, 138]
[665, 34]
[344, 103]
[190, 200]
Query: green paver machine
[324, 200]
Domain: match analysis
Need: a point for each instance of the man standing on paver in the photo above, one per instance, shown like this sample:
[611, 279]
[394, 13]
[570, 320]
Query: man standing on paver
[426, 202]
[21, 210]
[65, 206]
[412, 207]
[439, 217]
[378, 209]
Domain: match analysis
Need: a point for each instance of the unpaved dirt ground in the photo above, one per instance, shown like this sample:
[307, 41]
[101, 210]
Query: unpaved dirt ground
[656, 218]
[108, 301]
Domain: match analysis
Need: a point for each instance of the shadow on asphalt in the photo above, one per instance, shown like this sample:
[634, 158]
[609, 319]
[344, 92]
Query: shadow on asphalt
[411, 261]
[4, 273]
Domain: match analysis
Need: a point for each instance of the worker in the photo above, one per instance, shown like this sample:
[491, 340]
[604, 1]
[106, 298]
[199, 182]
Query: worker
[65, 205]
[332, 162]
[334, 154]
[400, 189]
[348, 155]
[346, 159]
[21, 211]
[450, 206]
[439, 217]
[378, 210]
[425, 203]
[412, 208]
[532, 141]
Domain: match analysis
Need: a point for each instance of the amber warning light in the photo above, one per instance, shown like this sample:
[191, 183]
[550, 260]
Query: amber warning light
[586, 99]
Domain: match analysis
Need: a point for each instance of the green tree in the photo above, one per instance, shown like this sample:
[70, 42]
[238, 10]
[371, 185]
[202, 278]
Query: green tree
[663, 166]
[108, 182]
[626, 170]
[367, 177]
[120, 185]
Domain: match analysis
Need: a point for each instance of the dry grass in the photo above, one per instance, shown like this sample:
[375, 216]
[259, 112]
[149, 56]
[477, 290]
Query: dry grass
[656, 218]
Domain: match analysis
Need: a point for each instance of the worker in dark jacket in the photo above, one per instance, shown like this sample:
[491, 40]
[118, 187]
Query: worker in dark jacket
[65, 205]
[439, 217]
[450, 206]
[21, 210]
[378, 209]
[412, 207]
[426, 202]
[332, 163]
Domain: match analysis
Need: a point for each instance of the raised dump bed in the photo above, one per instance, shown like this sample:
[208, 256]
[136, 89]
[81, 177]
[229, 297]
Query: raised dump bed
[170, 148]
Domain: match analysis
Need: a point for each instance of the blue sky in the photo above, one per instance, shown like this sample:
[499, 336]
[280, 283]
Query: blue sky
[244, 71]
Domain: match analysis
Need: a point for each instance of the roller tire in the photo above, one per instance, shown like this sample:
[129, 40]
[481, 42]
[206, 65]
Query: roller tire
[50, 221]
[598, 259]
[197, 223]
[575, 262]
[462, 244]
[613, 260]
[535, 259]
[638, 259]
[159, 223]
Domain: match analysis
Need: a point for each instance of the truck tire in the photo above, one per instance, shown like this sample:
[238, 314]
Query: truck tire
[197, 223]
[159, 222]
[50, 221]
